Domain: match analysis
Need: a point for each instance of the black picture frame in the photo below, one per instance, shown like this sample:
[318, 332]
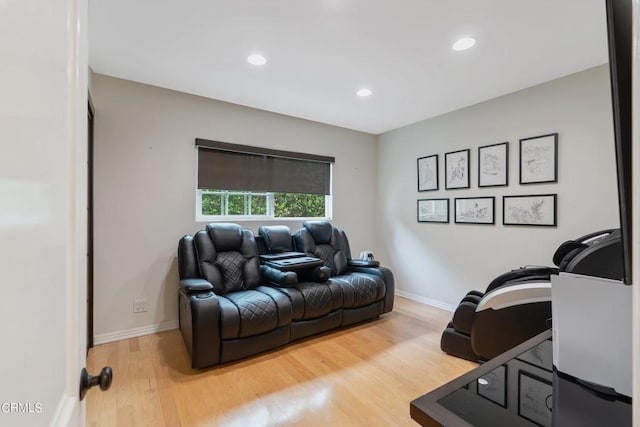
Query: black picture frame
[539, 210]
[475, 210]
[433, 210]
[493, 386]
[493, 165]
[539, 159]
[535, 401]
[428, 173]
[456, 166]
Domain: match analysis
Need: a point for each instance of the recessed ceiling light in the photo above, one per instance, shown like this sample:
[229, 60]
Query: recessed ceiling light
[464, 43]
[256, 59]
[364, 92]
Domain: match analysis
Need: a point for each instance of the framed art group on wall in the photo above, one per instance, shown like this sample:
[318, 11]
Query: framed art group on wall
[538, 164]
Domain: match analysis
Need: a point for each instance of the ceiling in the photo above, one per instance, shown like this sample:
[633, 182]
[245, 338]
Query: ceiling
[320, 52]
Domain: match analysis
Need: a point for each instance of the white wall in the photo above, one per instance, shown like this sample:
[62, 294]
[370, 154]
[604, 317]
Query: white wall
[439, 263]
[145, 178]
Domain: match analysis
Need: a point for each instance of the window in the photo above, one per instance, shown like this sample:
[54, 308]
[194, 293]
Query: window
[260, 184]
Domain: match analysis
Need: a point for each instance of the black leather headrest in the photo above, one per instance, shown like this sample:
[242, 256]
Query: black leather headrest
[320, 231]
[569, 257]
[225, 237]
[276, 237]
[564, 249]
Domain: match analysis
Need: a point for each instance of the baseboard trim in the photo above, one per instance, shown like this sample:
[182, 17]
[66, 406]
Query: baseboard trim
[135, 332]
[67, 412]
[427, 301]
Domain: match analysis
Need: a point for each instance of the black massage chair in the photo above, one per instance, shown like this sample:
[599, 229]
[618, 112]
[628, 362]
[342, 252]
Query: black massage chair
[517, 305]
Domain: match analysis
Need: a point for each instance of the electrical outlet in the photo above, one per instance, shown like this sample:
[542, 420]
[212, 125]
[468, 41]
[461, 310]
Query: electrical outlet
[140, 305]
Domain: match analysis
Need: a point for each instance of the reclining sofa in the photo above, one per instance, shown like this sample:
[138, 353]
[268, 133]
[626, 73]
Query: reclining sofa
[517, 305]
[240, 295]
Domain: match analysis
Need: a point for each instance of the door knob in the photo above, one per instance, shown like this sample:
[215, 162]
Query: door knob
[87, 381]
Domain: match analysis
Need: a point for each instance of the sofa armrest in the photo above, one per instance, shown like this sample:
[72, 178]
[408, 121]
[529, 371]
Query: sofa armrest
[195, 285]
[199, 317]
[277, 277]
[389, 282]
[320, 274]
[365, 269]
[361, 263]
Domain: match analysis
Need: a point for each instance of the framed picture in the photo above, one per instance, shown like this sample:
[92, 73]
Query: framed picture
[493, 386]
[428, 173]
[475, 210]
[534, 398]
[537, 210]
[539, 159]
[493, 165]
[433, 210]
[456, 169]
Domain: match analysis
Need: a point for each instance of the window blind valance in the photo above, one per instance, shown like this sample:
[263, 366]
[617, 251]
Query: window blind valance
[227, 166]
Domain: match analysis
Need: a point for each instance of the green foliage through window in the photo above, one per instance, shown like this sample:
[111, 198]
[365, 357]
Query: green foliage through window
[277, 205]
[212, 204]
[291, 205]
[258, 205]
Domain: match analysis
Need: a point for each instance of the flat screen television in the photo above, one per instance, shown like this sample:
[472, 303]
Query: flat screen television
[619, 31]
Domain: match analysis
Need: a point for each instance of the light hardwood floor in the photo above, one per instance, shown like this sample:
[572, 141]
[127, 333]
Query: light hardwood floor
[364, 375]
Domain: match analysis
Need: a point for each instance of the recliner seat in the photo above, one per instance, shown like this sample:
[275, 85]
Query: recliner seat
[315, 302]
[367, 289]
[225, 311]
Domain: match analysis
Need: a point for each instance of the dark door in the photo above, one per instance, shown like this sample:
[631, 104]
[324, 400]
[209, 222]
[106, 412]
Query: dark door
[90, 226]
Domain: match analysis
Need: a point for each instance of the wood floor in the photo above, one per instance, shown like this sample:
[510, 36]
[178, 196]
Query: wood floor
[364, 375]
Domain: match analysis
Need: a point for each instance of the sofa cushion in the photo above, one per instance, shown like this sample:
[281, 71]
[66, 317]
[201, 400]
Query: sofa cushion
[310, 300]
[324, 241]
[332, 258]
[276, 237]
[231, 264]
[252, 312]
[226, 237]
[318, 299]
[320, 230]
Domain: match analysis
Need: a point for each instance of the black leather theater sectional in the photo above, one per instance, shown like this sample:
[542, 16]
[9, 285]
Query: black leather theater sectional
[241, 294]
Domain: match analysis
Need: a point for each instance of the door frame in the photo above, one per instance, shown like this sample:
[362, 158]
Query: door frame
[90, 125]
[70, 411]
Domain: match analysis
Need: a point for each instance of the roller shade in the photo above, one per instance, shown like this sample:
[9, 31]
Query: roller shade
[227, 166]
